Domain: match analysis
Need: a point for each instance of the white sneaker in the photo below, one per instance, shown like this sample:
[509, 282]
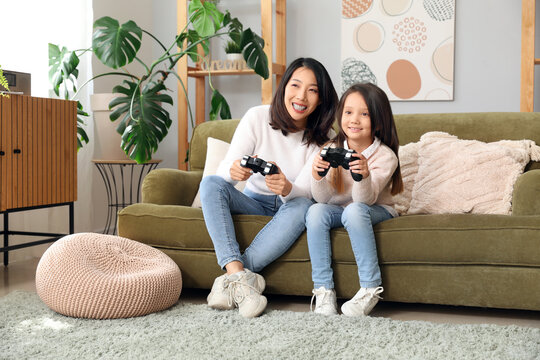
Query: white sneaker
[220, 296]
[325, 301]
[246, 288]
[363, 302]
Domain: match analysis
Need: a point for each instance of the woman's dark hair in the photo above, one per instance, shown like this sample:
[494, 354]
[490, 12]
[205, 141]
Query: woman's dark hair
[320, 121]
[382, 123]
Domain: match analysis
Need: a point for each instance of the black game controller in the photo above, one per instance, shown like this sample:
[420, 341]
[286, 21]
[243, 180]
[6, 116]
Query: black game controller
[258, 165]
[338, 157]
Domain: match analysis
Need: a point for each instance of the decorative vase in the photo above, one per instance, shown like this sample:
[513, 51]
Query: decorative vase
[106, 140]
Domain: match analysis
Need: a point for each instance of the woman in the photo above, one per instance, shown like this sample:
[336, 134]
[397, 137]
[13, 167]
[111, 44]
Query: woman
[288, 134]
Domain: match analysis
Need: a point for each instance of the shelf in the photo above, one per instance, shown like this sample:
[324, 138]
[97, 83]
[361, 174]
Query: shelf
[277, 68]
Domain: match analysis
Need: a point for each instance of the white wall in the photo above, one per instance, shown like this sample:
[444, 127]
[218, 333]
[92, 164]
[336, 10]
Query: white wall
[487, 53]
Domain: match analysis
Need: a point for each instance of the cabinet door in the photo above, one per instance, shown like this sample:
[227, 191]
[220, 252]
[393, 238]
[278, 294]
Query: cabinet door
[39, 141]
[52, 162]
[5, 156]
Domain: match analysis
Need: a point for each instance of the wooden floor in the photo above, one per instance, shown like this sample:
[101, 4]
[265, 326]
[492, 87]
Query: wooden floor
[20, 275]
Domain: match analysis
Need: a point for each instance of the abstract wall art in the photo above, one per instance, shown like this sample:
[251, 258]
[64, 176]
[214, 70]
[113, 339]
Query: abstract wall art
[406, 47]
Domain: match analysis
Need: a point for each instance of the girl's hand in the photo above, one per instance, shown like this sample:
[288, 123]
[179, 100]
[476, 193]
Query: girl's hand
[278, 183]
[360, 166]
[238, 172]
[318, 165]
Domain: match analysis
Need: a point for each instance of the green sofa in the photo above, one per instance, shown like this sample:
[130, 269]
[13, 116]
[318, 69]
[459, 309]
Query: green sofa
[459, 259]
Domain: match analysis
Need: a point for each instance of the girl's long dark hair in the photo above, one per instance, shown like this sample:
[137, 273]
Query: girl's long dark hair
[320, 121]
[382, 126]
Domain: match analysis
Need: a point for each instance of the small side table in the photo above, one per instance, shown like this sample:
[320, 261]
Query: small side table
[123, 179]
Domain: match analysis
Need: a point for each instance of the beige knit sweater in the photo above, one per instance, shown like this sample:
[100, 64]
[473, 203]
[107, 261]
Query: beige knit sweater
[375, 189]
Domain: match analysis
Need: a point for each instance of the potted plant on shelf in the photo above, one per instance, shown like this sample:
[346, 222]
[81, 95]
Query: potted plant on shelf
[233, 47]
[233, 51]
[141, 101]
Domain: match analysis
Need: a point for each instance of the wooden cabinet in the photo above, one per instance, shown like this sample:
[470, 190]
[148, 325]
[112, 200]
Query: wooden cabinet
[276, 65]
[38, 149]
[38, 157]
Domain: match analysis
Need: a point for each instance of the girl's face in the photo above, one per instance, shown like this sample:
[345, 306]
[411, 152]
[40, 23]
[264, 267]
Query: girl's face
[301, 95]
[355, 120]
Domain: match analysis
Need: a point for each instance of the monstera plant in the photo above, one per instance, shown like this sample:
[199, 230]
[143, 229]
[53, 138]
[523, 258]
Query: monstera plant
[140, 106]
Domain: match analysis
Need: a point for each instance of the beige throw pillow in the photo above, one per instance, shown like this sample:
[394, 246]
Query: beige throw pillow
[215, 152]
[467, 176]
[408, 163]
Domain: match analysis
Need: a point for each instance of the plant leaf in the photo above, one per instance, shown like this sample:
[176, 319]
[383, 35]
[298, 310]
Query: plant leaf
[150, 123]
[192, 37]
[253, 52]
[116, 45]
[3, 81]
[206, 18]
[62, 67]
[235, 28]
[81, 133]
[219, 104]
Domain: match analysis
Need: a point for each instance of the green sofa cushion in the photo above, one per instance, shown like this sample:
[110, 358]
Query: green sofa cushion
[427, 239]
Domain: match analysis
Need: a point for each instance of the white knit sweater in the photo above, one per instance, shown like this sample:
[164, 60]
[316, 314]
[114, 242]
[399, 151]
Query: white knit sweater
[254, 136]
[375, 189]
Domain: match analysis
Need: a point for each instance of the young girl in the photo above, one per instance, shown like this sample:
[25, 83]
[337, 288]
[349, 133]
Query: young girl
[288, 133]
[366, 125]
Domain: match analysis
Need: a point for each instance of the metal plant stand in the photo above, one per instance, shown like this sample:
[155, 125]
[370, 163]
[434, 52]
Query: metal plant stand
[122, 179]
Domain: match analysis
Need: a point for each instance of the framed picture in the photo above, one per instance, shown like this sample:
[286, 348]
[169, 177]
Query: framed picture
[406, 47]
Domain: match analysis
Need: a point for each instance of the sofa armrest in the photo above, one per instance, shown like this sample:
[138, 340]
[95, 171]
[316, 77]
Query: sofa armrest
[526, 196]
[171, 187]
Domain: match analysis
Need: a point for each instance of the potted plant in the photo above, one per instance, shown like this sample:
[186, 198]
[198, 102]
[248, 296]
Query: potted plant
[142, 99]
[233, 51]
[233, 47]
[3, 83]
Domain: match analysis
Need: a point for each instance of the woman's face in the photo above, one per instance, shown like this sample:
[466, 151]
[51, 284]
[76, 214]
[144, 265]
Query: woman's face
[301, 96]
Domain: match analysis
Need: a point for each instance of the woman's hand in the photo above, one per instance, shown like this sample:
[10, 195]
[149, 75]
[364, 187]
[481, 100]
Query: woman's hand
[360, 166]
[278, 183]
[318, 165]
[238, 172]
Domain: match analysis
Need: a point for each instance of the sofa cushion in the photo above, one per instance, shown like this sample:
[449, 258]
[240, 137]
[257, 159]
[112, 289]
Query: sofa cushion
[219, 129]
[420, 239]
[467, 176]
[183, 228]
[215, 152]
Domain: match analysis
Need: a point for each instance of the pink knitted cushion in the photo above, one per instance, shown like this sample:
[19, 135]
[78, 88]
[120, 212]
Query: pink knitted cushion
[100, 276]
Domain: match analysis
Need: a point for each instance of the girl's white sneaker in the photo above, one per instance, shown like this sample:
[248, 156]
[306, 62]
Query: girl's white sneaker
[325, 301]
[363, 302]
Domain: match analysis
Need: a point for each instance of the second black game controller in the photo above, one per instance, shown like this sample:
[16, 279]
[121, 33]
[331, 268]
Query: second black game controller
[338, 157]
[258, 165]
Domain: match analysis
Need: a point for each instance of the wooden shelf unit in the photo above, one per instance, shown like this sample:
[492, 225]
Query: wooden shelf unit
[277, 68]
[528, 61]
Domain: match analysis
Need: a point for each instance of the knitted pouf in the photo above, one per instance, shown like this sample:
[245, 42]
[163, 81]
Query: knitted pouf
[98, 276]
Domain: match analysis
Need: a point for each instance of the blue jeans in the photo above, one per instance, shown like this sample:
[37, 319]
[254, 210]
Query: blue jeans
[220, 200]
[358, 219]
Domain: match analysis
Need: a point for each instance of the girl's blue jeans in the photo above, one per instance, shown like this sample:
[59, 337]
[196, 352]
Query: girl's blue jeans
[358, 219]
[220, 200]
